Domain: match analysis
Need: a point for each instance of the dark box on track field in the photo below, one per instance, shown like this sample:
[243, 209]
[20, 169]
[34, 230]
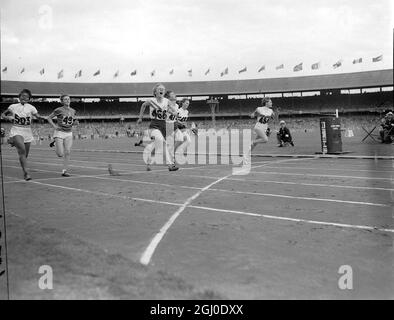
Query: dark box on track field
[331, 139]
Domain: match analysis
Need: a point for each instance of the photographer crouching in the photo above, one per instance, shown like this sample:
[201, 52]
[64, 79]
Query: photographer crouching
[387, 130]
[284, 135]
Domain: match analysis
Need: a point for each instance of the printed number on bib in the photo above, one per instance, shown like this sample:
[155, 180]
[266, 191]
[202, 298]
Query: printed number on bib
[23, 121]
[159, 114]
[265, 119]
[67, 120]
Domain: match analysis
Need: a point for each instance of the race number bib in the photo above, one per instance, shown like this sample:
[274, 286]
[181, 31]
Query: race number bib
[159, 114]
[22, 121]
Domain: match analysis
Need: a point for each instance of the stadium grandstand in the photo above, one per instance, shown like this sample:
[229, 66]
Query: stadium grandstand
[350, 92]
[359, 97]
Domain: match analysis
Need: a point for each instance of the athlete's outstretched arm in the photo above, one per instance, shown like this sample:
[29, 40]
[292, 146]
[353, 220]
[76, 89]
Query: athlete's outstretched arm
[50, 121]
[253, 114]
[142, 110]
[5, 115]
[39, 117]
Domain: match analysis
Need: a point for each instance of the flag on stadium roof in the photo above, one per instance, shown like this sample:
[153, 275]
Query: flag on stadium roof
[206, 72]
[378, 58]
[281, 66]
[172, 71]
[262, 68]
[190, 72]
[133, 73]
[78, 74]
[96, 73]
[224, 72]
[337, 64]
[60, 74]
[243, 70]
[23, 70]
[359, 60]
[298, 67]
[116, 74]
[315, 66]
[42, 71]
[153, 73]
[5, 69]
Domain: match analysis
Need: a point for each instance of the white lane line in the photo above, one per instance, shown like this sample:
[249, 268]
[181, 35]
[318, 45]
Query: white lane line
[313, 184]
[304, 198]
[148, 253]
[218, 210]
[150, 249]
[343, 225]
[331, 169]
[59, 161]
[60, 164]
[147, 182]
[99, 193]
[248, 193]
[283, 182]
[320, 175]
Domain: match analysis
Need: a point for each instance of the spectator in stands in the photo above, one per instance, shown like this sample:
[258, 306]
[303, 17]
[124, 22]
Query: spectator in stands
[284, 135]
[387, 131]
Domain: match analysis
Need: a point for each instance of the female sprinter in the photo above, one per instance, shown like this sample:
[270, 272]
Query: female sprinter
[21, 115]
[182, 137]
[158, 108]
[171, 122]
[264, 115]
[63, 130]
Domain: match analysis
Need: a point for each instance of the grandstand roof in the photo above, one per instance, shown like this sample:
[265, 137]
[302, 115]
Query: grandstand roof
[380, 78]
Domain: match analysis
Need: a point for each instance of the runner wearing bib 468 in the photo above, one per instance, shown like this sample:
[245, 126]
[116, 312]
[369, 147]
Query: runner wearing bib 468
[158, 108]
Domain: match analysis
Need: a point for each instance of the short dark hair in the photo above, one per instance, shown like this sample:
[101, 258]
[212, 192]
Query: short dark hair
[183, 101]
[264, 101]
[26, 91]
[167, 94]
[63, 96]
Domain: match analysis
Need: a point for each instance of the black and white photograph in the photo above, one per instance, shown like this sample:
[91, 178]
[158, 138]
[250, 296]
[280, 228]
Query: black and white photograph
[199, 152]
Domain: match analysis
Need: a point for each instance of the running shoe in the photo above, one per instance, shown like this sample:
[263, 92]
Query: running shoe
[52, 144]
[65, 174]
[173, 168]
[27, 176]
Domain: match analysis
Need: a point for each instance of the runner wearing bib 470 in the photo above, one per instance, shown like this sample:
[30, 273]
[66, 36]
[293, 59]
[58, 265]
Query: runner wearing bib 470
[171, 123]
[21, 115]
[182, 136]
[63, 134]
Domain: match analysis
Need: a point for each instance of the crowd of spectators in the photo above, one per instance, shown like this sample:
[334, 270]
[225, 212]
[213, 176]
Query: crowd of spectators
[366, 102]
